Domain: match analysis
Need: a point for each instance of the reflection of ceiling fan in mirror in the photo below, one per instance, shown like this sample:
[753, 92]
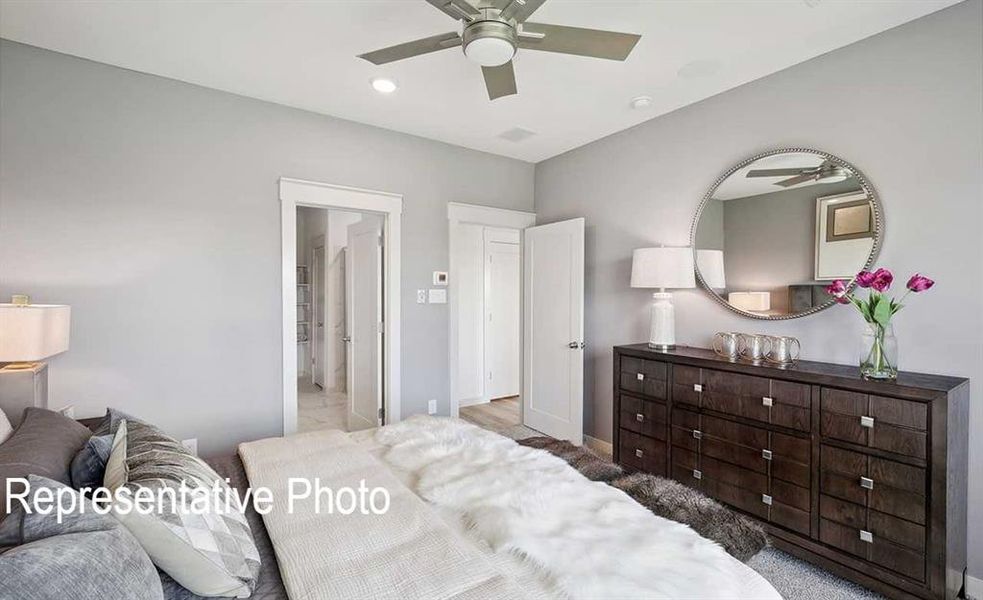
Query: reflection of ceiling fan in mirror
[492, 31]
[826, 172]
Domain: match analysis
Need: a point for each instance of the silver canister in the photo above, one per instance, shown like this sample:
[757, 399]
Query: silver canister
[755, 346]
[784, 350]
[727, 344]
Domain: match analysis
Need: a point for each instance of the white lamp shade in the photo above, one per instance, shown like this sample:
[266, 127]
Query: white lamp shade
[711, 266]
[750, 301]
[662, 268]
[33, 332]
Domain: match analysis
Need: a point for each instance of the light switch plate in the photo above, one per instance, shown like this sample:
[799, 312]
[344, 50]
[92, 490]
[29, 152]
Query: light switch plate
[432, 407]
[191, 445]
[421, 296]
[438, 296]
[68, 411]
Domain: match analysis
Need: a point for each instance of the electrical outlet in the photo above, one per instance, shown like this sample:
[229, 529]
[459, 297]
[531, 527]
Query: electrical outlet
[68, 411]
[191, 445]
[432, 407]
[421, 296]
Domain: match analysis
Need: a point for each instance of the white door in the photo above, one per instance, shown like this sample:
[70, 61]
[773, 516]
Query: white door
[553, 330]
[318, 280]
[503, 336]
[364, 324]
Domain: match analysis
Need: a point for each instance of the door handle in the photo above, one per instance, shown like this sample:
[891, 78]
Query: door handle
[575, 345]
[320, 324]
[346, 338]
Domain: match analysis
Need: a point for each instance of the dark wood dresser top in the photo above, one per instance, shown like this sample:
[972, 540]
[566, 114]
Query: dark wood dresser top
[907, 385]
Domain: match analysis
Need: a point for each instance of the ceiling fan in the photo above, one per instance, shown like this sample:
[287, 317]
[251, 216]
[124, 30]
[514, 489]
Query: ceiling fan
[492, 31]
[827, 170]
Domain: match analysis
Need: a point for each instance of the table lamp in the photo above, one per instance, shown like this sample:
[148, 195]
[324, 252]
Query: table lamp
[662, 268]
[29, 333]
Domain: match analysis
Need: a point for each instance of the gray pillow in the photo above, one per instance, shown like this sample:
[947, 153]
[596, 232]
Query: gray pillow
[110, 422]
[87, 555]
[89, 465]
[43, 444]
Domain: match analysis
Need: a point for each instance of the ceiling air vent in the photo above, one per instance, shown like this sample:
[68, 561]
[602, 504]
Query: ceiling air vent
[516, 134]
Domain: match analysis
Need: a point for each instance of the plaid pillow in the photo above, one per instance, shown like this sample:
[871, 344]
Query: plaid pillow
[210, 554]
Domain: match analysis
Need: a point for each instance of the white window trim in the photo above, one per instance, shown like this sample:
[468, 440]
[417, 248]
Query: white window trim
[297, 192]
[473, 214]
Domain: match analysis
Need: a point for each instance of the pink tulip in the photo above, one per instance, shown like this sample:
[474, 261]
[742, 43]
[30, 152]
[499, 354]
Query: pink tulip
[882, 280]
[837, 290]
[865, 279]
[919, 283]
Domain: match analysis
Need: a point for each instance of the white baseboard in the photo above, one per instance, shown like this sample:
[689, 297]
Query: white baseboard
[472, 402]
[974, 587]
[597, 445]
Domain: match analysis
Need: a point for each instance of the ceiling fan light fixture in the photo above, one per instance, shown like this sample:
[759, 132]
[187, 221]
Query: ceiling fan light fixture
[383, 85]
[489, 43]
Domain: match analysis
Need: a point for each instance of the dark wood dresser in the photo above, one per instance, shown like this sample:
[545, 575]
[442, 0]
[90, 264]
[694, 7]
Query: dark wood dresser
[866, 479]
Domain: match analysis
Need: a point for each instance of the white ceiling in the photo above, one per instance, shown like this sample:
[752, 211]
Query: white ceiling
[302, 54]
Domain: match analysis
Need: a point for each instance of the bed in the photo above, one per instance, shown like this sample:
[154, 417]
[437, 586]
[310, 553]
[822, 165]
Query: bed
[518, 522]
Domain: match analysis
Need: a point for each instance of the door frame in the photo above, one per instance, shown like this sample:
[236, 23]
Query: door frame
[299, 192]
[316, 308]
[472, 214]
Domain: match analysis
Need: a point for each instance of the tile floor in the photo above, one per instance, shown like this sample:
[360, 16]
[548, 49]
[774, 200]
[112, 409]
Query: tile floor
[318, 409]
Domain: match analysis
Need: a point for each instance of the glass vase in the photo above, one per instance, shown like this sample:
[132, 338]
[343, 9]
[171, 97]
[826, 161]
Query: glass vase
[878, 352]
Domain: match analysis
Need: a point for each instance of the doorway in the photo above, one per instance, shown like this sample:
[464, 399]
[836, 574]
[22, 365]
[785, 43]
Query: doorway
[340, 249]
[486, 316]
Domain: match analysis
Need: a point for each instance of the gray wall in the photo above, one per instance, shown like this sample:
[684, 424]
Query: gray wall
[151, 207]
[904, 107]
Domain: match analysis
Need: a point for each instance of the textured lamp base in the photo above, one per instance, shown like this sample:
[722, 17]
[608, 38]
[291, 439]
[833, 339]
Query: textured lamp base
[663, 333]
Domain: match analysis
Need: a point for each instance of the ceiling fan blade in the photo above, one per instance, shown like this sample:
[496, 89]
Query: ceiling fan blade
[500, 80]
[414, 48]
[796, 180]
[455, 9]
[576, 40]
[777, 172]
[520, 10]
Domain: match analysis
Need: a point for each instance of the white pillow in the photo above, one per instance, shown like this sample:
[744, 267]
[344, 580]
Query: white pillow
[5, 428]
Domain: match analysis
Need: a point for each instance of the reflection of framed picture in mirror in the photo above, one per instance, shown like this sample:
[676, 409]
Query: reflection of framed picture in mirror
[845, 232]
[849, 220]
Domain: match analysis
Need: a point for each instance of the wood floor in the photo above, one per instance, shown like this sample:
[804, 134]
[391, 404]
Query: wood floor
[500, 416]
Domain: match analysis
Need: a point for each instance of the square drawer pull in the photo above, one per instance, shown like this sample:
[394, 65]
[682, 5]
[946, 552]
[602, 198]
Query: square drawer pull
[866, 483]
[766, 499]
[639, 417]
[866, 536]
[697, 474]
[639, 453]
[697, 387]
[640, 376]
[766, 401]
[766, 454]
[867, 422]
[698, 434]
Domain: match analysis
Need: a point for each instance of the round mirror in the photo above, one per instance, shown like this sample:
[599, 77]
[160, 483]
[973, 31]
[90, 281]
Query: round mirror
[777, 228]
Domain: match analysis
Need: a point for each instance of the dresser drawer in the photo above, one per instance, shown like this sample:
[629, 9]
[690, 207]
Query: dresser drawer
[871, 546]
[644, 416]
[647, 377]
[771, 401]
[642, 453]
[883, 485]
[888, 424]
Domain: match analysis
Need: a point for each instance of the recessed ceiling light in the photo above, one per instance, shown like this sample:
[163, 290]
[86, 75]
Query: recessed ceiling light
[384, 85]
[640, 102]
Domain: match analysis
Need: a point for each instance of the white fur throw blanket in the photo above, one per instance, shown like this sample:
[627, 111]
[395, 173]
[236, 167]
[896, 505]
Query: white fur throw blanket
[408, 552]
[590, 538]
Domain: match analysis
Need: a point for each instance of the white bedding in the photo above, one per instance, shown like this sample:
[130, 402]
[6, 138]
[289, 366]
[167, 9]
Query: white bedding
[500, 521]
[593, 540]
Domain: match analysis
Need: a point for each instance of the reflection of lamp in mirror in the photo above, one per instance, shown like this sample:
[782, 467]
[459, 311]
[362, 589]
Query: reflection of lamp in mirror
[710, 263]
[662, 268]
[750, 301]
